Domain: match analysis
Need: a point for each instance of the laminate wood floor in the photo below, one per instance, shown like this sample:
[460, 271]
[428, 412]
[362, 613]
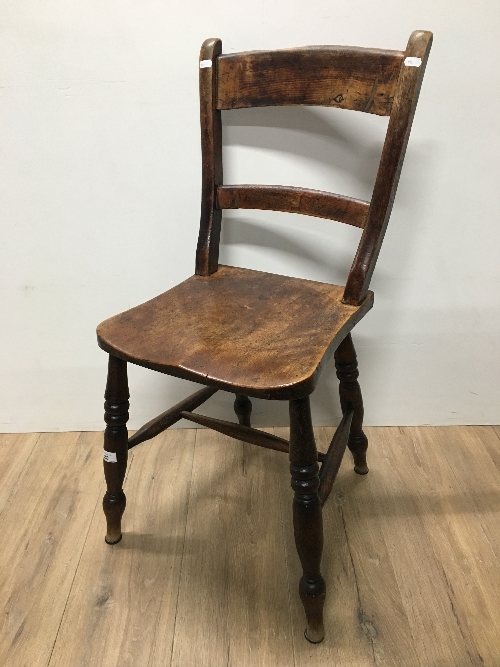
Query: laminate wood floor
[207, 575]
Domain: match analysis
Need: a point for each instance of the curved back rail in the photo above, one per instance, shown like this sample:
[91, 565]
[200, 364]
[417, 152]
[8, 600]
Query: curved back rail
[348, 78]
[369, 80]
[294, 200]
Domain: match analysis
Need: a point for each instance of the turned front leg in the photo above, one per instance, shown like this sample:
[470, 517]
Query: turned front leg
[346, 364]
[243, 409]
[115, 446]
[307, 516]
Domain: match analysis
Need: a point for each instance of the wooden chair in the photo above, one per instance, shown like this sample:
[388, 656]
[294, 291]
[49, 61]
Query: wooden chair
[260, 334]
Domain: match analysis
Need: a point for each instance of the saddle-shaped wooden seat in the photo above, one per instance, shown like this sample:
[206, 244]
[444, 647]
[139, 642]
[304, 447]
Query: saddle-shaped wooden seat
[260, 334]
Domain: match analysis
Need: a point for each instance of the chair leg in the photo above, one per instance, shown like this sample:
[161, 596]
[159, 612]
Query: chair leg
[115, 446]
[243, 409]
[346, 364]
[307, 516]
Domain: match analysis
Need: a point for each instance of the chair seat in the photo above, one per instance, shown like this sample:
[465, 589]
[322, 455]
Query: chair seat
[245, 331]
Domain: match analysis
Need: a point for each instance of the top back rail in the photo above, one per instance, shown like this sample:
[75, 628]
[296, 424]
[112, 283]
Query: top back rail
[369, 80]
[349, 78]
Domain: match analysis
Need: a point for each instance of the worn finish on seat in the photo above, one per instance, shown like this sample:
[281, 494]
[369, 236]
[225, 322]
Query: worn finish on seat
[263, 333]
[260, 334]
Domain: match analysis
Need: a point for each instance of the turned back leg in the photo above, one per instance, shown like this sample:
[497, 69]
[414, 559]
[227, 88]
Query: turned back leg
[346, 364]
[243, 409]
[307, 516]
[115, 446]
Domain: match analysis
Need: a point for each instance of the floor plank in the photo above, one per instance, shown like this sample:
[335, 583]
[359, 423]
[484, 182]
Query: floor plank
[491, 442]
[122, 605]
[46, 523]
[345, 642]
[15, 450]
[361, 584]
[455, 512]
[233, 600]
[207, 572]
[389, 634]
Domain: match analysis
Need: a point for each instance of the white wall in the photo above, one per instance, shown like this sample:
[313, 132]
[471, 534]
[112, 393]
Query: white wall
[100, 189]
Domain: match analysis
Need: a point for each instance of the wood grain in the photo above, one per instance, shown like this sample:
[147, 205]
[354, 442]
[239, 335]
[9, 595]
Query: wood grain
[407, 517]
[346, 365]
[44, 527]
[411, 554]
[334, 456]
[207, 251]
[15, 452]
[472, 498]
[115, 453]
[233, 598]
[493, 447]
[240, 432]
[345, 642]
[307, 516]
[344, 77]
[294, 200]
[478, 480]
[388, 636]
[170, 416]
[246, 331]
[123, 603]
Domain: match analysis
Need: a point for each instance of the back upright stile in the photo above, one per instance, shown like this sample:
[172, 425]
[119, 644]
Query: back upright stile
[207, 253]
[391, 162]
[259, 334]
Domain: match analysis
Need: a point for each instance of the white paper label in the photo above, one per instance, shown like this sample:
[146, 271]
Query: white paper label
[205, 63]
[411, 61]
[110, 457]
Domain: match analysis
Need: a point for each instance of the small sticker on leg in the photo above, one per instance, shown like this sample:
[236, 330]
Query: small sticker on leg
[110, 457]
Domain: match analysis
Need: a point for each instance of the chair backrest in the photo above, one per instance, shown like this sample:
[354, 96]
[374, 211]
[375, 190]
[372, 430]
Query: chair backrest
[385, 83]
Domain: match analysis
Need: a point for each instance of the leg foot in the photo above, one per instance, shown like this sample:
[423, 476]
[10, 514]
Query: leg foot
[113, 507]
[346, 364]
[310, 640]
[358, 446]
[115, 447]
[313, 593]
[307, 516]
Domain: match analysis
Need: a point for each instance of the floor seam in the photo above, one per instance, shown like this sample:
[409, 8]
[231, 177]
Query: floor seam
[17, 482]
[73, 580]
[494, 427]
[361, 614]
[288, 577]
[183, 544]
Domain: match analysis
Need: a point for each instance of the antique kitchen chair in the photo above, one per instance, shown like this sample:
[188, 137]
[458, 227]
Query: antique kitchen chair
[260, 334]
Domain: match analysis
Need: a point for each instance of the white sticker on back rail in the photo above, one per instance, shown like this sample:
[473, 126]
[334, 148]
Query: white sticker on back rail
[110, 457]
[205, 63]
[412, 61]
